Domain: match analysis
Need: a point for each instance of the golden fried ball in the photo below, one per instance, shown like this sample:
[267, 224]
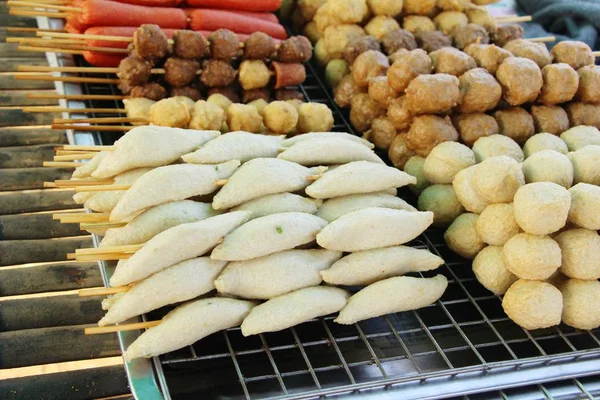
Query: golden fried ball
[321, 54]
[138, 107]
[280, 117]
[407, 68]
[382, 133]
[462, 238]
[345, 91]
[448, 21]
[542, 208]
[479, 91]
[253, 74]
[418, 23]
[497, 224]
[580, 303]
[589, 84]
[528, 256]
[548, 166]
[490, 270]
[445, 160]
[337, 37]
[544, 141]
[348, 11]
[207, 116]
[427, 131]
[521, 80]
[244, 117]
[453, 5]
[533, 304]
[580, 253]
[583, 114]
[314, 117]
[449, 60]
[551, 119]
[497, 145]
[419, 7]
[432, 94]
[368, 65]
[399, 115]
[497, 179]
[259, 104]
[468, 197]
[560, 83]
[473, 126]
[580, 136]
[170, 112]
[575, 53]
[415, 167]
[399, 152]
[381, 91]
[516, 123]
[381, 25]
[585, 206]
[488, 56]
[363, 111]
[442, 201]
[390, 8]
[481, 16]
[534, 51]
[219, 100]
[586, 164]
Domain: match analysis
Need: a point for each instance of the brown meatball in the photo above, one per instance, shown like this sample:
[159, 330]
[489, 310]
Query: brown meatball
[427, 131]
[472, 126]
[363, 110]
[217, 73]
[399, 152]
[505, 33]
[521, 80]
[560, 83]
[224, 44]
[259, 46]
[589, 84]
[516, 123]
[231, 92]
[356, 47]
[399, 115]
[152, 91]
[549, 119]
[150, 42]
[449, 60]
[470, 34]
[534, 51]
[488, 56]
[187, 91]
[180, 72]
[254, 94]
[345, 91]
[583, 114]
[134, 70]
[125, 87]
[432, 94]
[404, 70]
[398, 39]
[296, 49]
[479, 91]
[368, 65]
[576, 54]
[190, 45]
[288, 94]
[432, 40]
[382, 133]
[381, 91]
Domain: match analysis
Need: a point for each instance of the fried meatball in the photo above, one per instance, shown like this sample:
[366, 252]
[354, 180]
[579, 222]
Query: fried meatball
[521, 80]
[399, 152]
[243, 117]
[404, 70]
[453, 5]
[446, 160]
[224, 44]
[345, 91]
[280, 117]
[151, 90]
[419, 7]
[228, 92]
[138, 108]
[399, 115]
[381, 91]
[432, 94]
[357, 46]
[363, 110]
[580, 300]
[497, 179]
[449, 60]
[488, 56]
[398, 39]
[337, 37]
[314, 117]
[134, 70]
[255, 94]
[348, 11]
[253, 74]
[170, 112]
[544, 141]
[418, 23]
[368, 65]
[462, 238]
[288, 94]
[398, 54]
[472, 126]
[534, 51]
[427, 131]
[207, 116]
[506, 33]
[180, 72]
[481, 16]
[470, 34]
[479, 91]
[533, 304]
[150, 42]
[550, 119]
[259, 46]
[124, 87]
[296, 49]
[190, 45]
[432, 40]
[308, 8]
[497, 145]
[516, 123]
[589, 84]
[560, 83]
[380, 26]
[382, 133]
[449, 21]
[335, 70]
[217, 73]
[583, 114]
[575, 53]
[187, 91]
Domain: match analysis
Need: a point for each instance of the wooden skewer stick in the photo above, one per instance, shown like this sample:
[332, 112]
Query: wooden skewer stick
[16, 29]
[103, 291]
[47, 6]
[38, 41]
[60, 152]
[82, 216]
[107, 128]
[596, 53]
[103, 257]
[72, 49]
[101, 225]
[130, 248]
[73, 79]
[313, 177]
[512, 19]
[98, 70]
[49, 185]
[120, 328]
[543, 39]
[54, 109]
[73, 157]
[49, 50]
[73, 183]
[61, 164]
[101, 188]
[126, 39]
[34, 13]
[79, 147]
[54, 96]
[108, 120]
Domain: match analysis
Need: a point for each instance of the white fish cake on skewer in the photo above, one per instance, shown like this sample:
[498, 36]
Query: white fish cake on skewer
[325, 151]
[182, 242]
[106, 201]
[187, 324]
[366, 267]
[278, 203]
[276, 274]
[334, 208]
[319, 135]
[267, 235]
[151, 146]
[260, 177]
[156, 220]
[294, 308]
[82, 197]
[171, 183]
[86, 169]
[238, 145]
[402, 293]
[183, 281]
[373, 228]
[108, 302]
[358, 177]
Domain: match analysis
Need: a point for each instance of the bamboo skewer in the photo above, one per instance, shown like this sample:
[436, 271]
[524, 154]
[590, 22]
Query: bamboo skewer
[54, 109]
[73, 157]
[102, 257]
[35, 40]
[49, 50]
[120, 328]
[74, 183]
[81, 217]
[79, 147]
[512, 19]
[596, 53]
[95, 70]
[53, 96]
[34, 13]
[16, 29]
[101, 225]
[23, 76]
[61, 164]
[110, 249]
[543, 39]
[101, 188]
[107, 128]
[103, 291]
[108, 120]
[48, 6]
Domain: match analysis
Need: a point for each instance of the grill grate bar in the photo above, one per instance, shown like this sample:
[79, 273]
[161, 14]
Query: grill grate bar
[305, 357]
[333, 342]
[236, 365]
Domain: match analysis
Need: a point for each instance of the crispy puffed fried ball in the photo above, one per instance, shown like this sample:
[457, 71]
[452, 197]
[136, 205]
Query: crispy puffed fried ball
[363, 110]
[479, 91]
[170, 112]
[219, 100]
[497, 145]
[521, 80]
[560, 83]
[419, 7]
[314, 117]
[462, 238]
[453, 5]
[356, 47]
[449, 60]
[381, 91]
[496, 224]
[580, 303]
[468, 197]
[473, 126]
[415, 166]
[580, 253]
[321, 54]
[418, 23]
[253, 74]
[348, 11]
[549, 166]
[490, 271]
[481, 16]
[534, 51]
[533, 304]
[528, 256]
[550, 119]
[337, 37]
[575, 53]
[442, 201]
[580, 136]
[516, 123]
[470, 34]
[243, 117]
[391, 8]
[488, 56]
[589, 84]
[399, 152]
[542, 208]
[585, 206]
[448, 21]
[497, 179]
[586, 164]
[380, 26]
[382, 133]
[544, 141]
[399, 115]
[280, 117]
[368, 65]
[335, 70]
[427, 131]
[407, 68]
[345, 91]
[398, 54]
[432, 94]
[207, 116]
[445, 160]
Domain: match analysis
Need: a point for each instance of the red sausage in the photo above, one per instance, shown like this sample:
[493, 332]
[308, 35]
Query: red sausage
[103, 59]
[153, 3]
[288, 74]
[246, 5]
[211, 20]
[111, 13]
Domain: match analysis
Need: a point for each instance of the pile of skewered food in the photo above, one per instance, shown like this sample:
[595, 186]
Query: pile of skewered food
[258, 218]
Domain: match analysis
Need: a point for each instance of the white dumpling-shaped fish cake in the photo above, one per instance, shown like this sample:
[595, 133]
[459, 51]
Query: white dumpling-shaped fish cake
[151, 146]
[180, 243]
[294, 308]
[267, 235]
[171, 183]
[373, 228]
[325, 151]
[334, 208]
[187, 324]
[183, 281]
[276, 274]
[238, 145]
[106, 201]
[358, 177]
[86, 169]
[401, 293]
[156, 220]
[366, 267]
[319, 135]
[278, 203]
[260, 177]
